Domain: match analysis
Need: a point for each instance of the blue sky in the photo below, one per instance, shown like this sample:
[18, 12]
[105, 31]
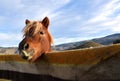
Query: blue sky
[70, 20]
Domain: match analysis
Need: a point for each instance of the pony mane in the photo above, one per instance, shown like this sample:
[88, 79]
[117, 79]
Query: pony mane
[35, 24]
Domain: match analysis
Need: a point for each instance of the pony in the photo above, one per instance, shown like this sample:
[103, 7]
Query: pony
[37, 40]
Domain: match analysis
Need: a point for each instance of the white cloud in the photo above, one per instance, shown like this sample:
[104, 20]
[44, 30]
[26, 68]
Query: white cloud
[104, 12]
[104, 18]
[39, 9]
[7, 36]
[11, 5]
[65, 40]
[9, 39]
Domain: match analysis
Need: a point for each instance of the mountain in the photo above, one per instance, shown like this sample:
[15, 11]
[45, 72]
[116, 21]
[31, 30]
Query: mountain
[107, 39]
[89, 44]
[103, 41]
[8, 50]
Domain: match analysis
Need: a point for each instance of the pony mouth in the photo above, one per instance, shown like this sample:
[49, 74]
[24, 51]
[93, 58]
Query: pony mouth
[27, 54]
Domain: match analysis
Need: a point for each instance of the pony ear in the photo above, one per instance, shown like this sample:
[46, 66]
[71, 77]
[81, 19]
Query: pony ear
[27, 21]
[45, 22]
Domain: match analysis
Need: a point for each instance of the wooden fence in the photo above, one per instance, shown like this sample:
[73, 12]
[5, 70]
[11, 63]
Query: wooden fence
[102, 63]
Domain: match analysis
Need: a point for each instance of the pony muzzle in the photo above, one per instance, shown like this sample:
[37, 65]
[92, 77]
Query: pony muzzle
[27, 55]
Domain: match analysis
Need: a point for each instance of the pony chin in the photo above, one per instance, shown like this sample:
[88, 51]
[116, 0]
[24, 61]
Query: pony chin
[34, 57]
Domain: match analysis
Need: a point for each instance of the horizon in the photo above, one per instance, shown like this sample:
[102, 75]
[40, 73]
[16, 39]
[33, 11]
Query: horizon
[69, 42]
[70, 20]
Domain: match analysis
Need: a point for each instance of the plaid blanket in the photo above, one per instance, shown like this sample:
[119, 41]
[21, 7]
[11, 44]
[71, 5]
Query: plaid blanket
[72, 65]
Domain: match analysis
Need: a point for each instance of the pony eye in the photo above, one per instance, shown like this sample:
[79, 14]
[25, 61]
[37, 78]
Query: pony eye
[41, 33]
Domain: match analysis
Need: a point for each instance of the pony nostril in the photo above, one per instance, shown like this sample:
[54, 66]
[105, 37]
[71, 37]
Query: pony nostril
[26, 46]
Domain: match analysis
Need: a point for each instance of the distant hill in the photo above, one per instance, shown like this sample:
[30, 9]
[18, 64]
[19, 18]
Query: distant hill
[8, 50]
[103, 41]
[107, 39]
[89, 44]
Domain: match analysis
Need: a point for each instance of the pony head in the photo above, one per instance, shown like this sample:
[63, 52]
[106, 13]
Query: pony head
[37, 39]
